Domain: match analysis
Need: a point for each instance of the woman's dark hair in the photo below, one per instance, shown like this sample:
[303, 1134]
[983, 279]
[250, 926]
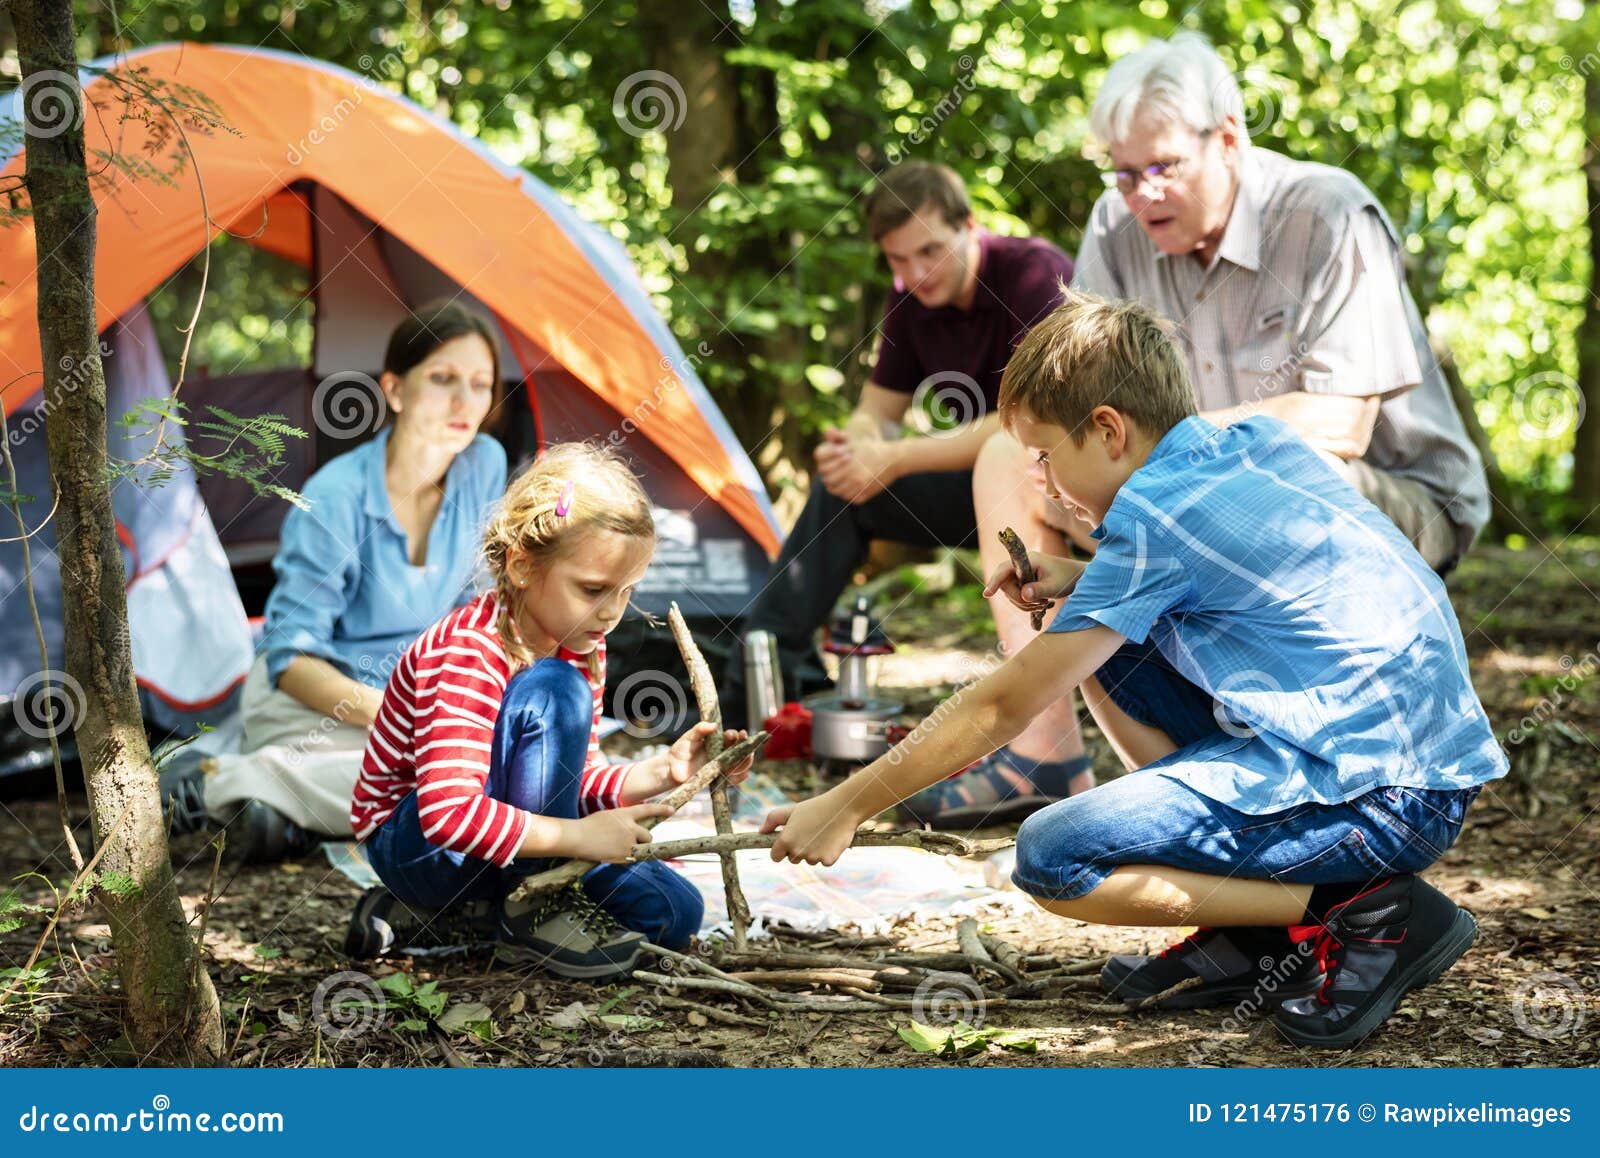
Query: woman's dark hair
[430, 326]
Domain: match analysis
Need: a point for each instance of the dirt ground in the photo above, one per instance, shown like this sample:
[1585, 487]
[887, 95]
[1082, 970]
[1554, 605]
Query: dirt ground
[1526, 865]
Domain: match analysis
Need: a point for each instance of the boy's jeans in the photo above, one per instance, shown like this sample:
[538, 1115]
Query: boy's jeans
[1068, 849]
[540, 743]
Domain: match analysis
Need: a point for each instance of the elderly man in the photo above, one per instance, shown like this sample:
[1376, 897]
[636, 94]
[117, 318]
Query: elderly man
[1285, 284]
[962, 300]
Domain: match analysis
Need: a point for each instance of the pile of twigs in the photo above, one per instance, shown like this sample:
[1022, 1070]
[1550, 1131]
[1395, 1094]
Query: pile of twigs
[799, 972]
[826, 973]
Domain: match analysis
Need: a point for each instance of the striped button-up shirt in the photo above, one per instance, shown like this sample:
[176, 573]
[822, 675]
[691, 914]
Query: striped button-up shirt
[1306, 293]
[1330, 648]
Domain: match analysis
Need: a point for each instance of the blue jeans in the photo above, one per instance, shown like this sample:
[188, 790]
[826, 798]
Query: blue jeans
[541, 741]
[1069, 848]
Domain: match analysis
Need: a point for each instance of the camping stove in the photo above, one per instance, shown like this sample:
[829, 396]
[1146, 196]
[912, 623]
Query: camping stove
[851, 723]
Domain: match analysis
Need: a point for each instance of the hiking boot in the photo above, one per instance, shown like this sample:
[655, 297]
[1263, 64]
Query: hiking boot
[382, 924]
[1396, 936]
[1258, 966]
[183, 791]
[1002, 788]
[569, 935]
[260, 834]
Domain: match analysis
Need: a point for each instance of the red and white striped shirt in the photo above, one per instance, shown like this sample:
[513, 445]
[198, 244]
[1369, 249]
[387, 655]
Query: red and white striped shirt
[435, 731]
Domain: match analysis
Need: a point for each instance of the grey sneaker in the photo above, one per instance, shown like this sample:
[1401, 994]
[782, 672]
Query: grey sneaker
[569, 935]
[383, 924]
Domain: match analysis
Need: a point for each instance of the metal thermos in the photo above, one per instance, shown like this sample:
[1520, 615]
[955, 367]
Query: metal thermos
[763, 678]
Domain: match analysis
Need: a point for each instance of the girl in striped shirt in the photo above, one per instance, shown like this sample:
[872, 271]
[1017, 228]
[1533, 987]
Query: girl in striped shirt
[484, 764]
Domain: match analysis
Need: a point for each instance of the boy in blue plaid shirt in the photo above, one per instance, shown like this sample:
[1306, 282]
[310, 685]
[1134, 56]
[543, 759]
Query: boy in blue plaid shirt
[1268, 652]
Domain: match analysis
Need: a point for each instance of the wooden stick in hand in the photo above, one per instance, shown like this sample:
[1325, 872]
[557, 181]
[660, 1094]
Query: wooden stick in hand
[553, 880]
[1023, 566]
[705, 695]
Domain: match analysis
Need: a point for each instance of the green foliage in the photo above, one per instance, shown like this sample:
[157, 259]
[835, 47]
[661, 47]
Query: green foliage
[1463, 116]
[226, 444]
[960, 1039]
[13, 911]
[418, 1004]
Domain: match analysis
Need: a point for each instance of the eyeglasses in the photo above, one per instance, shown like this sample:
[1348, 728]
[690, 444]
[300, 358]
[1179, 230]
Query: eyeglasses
[1158, 174]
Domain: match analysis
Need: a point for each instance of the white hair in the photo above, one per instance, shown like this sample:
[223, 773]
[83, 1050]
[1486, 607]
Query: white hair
[1181, 79]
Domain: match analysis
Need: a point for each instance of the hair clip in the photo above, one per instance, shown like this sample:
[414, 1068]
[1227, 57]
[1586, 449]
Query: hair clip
[564, 503]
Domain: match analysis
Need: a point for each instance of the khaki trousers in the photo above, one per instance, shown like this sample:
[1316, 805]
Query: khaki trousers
[292, 758]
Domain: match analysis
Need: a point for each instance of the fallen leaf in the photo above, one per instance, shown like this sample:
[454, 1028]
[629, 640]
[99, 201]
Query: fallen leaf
[698, 1019]
[1537, 914]
[288, 1019]
[519, 1002]
[468, 1017]
[572, 1017]
[1486, 1036]
[630, 1022]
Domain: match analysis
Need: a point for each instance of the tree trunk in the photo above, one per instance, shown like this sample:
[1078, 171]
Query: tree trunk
[1586, 440]
[171, 1012]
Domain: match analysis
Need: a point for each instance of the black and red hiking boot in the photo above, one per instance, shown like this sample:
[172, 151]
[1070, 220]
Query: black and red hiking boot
[1246, 965]
[1398, 935]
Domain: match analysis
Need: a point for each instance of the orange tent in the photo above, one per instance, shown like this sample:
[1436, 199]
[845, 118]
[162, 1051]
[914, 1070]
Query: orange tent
[388, 205]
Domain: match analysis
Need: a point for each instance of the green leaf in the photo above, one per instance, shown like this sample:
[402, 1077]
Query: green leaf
[961, 1039]
[924, 1038]
[396, 984]
[267, 952]
[630, 1022]
[469, 1017]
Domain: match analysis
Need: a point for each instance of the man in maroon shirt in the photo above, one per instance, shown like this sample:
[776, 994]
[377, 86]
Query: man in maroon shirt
[962, 300]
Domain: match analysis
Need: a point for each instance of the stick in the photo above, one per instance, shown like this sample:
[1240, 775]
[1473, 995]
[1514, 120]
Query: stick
[838, 978]
[972, 948]
[1021, 564]
[1089, 965]
[1002, 952]
[709, 1012]
[939, 842]
[553, 880]
[857, 1003]
[705, 694]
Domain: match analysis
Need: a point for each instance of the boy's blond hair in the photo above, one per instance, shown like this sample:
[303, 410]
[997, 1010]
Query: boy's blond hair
[571, 489]
[1092, 352]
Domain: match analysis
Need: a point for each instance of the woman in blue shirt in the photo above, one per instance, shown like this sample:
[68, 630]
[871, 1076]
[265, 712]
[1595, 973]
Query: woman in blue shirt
[389, 545]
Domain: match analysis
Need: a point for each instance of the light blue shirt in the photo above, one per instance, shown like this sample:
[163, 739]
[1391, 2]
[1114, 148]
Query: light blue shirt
[347, 591]
[1331, 650]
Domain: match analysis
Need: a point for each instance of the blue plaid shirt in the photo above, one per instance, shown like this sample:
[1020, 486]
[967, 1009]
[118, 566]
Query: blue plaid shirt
[1329, 646]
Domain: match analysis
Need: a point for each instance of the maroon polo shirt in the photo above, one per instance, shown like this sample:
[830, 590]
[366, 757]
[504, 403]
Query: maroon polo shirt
[1019, 282]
